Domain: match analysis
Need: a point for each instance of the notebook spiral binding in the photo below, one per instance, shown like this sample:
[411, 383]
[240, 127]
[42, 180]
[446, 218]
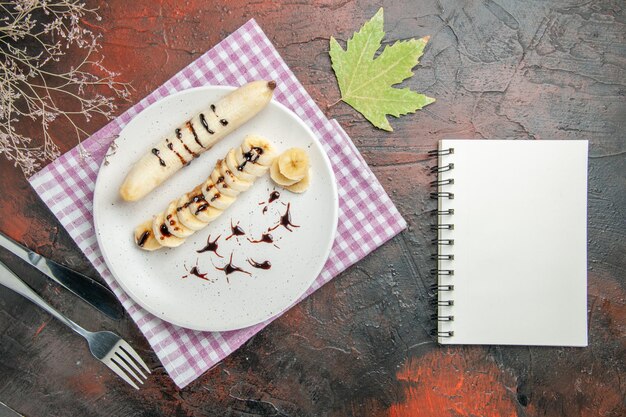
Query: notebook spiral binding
[441, 294]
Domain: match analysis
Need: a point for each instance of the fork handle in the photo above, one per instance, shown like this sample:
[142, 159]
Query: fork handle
[13, 282]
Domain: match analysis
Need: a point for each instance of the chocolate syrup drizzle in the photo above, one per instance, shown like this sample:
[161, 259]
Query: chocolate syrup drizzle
[211, 246]
[193, 131]
[195, 271]
[156, 153]
[275, 195]
[252, 155]
[265, 238]
[262, 265]
[164, 231]
[229, 268]
[143, 238]
[235, 230]
[170, 146]
[172, 222]
[285, 220]
[205, 124]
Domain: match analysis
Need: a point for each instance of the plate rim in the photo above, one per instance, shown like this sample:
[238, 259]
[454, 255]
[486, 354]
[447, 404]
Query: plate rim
[335, 213]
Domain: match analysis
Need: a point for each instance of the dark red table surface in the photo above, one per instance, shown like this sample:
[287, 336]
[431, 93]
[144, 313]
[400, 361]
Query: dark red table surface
[360, 345]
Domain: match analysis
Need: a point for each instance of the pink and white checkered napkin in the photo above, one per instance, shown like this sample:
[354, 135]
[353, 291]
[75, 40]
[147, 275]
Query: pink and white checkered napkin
[367, 216]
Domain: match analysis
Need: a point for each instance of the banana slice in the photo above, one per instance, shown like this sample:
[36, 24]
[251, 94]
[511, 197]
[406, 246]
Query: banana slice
[185, 216]
[194, 210]
[217, 200]
[249, 162]
[195, 136]
[233, 166]
[265, 149]
[302, 185]
[279, 178]
[231, 180]
[217, 178]
[144, 237]
[293, 163]
[173, 224]
[162, 234]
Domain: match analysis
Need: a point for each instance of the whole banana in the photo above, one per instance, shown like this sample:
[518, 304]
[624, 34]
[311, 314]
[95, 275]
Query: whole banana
[195, 136]
[195, 210]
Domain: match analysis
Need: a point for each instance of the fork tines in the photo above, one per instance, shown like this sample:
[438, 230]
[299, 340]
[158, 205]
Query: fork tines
[124, 361]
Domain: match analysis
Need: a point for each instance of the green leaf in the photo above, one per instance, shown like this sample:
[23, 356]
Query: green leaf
[366, 82]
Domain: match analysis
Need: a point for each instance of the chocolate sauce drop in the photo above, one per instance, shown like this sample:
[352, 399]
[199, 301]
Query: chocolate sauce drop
[196, 272]
[224, 122]
[265, 209]
[156, 153]
[193, 131]
[205, 124]
[211, 246]
[263, 265]
[235, 230]
[275, 195]
[265, 238]
[170, 146]
[143, 238]
[229, 268]
[201, 208]
[164, 231]
[178, 134]
[285, 220]
[213, 108]
[252, 155]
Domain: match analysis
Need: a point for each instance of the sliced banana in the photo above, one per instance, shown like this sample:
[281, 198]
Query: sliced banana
[162, 234]
[249, 162]
[195, 136]
[293, 163]
[173, 224]
[266, 151]
[231, 180]
[186, 217]
[206, 213]
[302, 185]
[233, 166]
[194, 210]
[217, 199]
[279, 178]
[144, 237]
[217, 178]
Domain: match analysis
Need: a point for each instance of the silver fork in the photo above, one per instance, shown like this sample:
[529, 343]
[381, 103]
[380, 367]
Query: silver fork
[105, 346]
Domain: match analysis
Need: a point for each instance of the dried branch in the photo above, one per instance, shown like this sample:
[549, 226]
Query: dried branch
[35, 36]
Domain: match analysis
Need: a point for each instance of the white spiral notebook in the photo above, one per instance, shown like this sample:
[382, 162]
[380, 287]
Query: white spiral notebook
[512, 242]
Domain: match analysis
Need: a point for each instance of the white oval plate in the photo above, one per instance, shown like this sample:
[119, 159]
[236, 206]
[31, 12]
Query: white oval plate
[155, 279]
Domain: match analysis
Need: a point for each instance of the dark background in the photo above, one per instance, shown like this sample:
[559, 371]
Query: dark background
[360, 345]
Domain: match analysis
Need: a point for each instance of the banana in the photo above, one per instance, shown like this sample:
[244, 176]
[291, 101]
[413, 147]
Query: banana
[162, 234]
[264, 149]
[185, 216]
[243, 159]
[144, 237]
[219, 181]
[174, 226]
[233, 166]
[195, 136]
[231, 180]
[293, 163]
[195, 210]
[279, 178]
[302, 185]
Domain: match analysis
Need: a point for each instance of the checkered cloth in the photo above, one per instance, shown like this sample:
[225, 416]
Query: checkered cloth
[367, 217]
